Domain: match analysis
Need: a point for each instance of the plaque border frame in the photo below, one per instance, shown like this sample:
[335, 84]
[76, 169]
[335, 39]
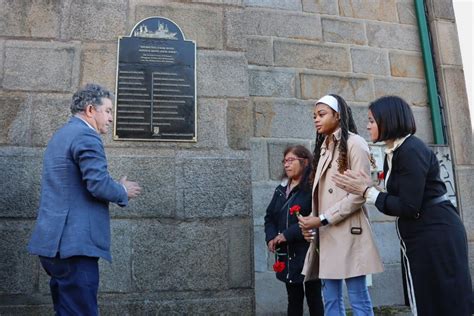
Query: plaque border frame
[115, 136]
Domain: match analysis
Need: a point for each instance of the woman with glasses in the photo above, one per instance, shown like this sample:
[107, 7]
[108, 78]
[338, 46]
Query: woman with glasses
[291, 199]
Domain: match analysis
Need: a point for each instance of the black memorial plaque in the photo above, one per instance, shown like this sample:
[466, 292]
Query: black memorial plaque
[155, 90]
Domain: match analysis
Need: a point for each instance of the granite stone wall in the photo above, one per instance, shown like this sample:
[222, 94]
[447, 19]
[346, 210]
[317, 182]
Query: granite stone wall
[193, 242]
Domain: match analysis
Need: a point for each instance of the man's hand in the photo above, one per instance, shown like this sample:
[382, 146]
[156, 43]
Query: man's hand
[133, 189]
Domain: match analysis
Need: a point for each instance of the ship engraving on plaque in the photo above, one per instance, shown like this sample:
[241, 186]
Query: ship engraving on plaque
[156, 84]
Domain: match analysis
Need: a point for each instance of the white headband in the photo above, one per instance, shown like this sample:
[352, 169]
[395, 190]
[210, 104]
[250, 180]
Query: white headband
[330, 101]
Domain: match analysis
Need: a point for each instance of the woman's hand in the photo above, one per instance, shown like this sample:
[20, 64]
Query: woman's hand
[271, 245]
[309, 234]
[354, 182]
[308, 225]
[279, 239]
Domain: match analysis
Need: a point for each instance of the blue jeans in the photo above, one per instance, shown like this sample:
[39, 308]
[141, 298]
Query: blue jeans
[358, 296]
[74, 284]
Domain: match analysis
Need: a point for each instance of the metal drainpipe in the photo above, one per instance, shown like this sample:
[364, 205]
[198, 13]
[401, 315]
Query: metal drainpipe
[433, 99]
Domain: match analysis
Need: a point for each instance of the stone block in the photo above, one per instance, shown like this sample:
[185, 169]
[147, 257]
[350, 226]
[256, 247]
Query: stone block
[441, 9]
[284, 118]
[259, 161]
[359, 114]
[343, 31]
[42, 66]
[262, 193]
[20, 187]
[406, 65]
[18, 269]
[242, 23]
[25, 310]
[395, 36]
[222, 74]
[260, 249]
[272, 83]
[240, 253]
[321, 6]
[25, 18]
[458, 117]
[14, 119]
[447, 43]
[116, 276]
[159, 246]
[354, 88]
[214, 187]
[92, 20]
[211, 123]
[466, 199]
[2, 50]
[202, 24]
[238, 3]
[233, 304]
[289, 5]
[407, 12]
[370, 61]
[259, 50]
[386, 238]
[99, 64]
[270, 294]
[239, 124]
[264, 115]
[381, 10]
[48, 113]
[424, 127]
[413, 91]
[312, 56]
[275, 155]
[387, 288]
[156, 176]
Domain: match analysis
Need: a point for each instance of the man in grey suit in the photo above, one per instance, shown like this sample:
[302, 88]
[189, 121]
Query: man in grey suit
[73, 226]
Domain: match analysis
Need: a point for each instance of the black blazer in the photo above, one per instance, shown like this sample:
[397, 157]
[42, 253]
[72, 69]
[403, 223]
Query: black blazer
[414, 180]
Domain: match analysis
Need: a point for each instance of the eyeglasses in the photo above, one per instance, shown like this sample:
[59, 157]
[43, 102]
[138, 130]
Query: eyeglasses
[290, 160]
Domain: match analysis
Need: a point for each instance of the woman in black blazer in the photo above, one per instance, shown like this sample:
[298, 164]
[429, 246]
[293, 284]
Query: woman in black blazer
[432, 237]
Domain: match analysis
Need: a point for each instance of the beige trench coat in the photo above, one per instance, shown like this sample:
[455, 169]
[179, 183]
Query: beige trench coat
[342, 254]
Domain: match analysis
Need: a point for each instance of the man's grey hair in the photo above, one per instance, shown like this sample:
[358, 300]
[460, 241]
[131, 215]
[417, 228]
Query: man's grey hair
[89, 94]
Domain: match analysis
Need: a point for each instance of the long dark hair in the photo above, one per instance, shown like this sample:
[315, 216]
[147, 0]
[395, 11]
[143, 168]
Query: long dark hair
[347, 124]
[303, 153]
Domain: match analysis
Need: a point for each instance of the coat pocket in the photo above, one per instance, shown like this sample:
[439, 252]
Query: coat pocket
[99, 222]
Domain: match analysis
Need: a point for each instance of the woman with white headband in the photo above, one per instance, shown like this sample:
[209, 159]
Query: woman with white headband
[342, 245]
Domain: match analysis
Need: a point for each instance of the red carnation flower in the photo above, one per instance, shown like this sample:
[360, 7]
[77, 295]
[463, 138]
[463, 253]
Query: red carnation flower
[380, 176]
[279, 266]
[295, 209]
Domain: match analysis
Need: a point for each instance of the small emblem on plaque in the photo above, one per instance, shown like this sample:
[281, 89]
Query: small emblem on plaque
[161, 31]
[156, 131]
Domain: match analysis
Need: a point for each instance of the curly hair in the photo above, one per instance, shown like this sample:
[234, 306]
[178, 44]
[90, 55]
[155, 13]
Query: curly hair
[347, 124]
[89, 94]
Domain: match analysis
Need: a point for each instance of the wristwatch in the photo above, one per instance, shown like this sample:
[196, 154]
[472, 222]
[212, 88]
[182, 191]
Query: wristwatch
[324, 220]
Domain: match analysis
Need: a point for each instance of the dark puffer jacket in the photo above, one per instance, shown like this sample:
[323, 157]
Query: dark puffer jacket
[278, 220]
